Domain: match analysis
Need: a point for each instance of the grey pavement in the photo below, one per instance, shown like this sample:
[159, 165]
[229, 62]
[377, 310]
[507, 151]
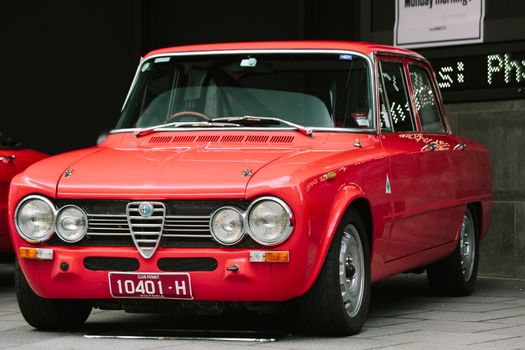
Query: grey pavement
[403, 315]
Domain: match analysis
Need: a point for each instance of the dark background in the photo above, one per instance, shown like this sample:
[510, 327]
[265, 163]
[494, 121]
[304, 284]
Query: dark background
[67, 65]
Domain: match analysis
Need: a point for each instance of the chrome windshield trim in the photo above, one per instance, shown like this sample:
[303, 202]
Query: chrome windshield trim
[368, 58]
[320, 129]
[133, 82]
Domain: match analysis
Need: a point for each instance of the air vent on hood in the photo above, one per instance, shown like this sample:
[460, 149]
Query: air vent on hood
[222, 139]
[160, 139]
[183, 138]
[209, 138]
[281, 139]
[232, 138]
[257, 138]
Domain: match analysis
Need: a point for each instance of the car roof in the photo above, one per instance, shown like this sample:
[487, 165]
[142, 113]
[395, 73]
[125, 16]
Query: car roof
[365, 48]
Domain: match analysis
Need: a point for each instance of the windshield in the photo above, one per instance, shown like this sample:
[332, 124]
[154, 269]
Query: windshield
[312, 90]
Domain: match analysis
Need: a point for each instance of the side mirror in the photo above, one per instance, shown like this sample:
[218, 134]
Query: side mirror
[102, 136]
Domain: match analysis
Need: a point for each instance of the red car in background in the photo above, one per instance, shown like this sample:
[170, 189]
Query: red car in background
[13, 159]
[257, 172]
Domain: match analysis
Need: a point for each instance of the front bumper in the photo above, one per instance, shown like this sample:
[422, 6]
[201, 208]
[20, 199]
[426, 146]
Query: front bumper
[251, 282]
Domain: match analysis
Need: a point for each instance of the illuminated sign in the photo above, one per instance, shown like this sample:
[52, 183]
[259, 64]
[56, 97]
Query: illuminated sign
[501, 70]
[481, 72]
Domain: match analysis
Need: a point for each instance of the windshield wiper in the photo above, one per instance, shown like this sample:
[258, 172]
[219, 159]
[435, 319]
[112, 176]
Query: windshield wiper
[205, 124]
[249, 118]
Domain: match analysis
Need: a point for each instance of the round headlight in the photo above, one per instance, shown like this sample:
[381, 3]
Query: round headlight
[227, 225]
[269, 221]
[34, 218]
[71, 224]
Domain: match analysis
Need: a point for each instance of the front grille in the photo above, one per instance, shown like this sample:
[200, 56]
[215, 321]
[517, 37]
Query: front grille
[108, 225]
[186, 225]
[146, 224]
[111, 264]
[187, 264]
[174, 226]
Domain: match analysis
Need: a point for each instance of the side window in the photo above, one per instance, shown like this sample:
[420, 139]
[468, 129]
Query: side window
[384, 116]
[393, 77]
[426, 103]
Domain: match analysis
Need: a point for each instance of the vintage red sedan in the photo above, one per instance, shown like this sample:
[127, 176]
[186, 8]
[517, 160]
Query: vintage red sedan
[256, 172]
[13, 159]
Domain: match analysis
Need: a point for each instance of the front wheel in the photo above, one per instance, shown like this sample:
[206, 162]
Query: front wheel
[456, 275]
[48, 314]
[337, 303]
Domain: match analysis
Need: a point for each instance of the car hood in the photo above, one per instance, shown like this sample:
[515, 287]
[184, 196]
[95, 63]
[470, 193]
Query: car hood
[179, 172]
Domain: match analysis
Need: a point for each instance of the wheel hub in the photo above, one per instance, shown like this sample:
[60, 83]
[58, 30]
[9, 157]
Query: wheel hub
[352, 270]
[467, 247]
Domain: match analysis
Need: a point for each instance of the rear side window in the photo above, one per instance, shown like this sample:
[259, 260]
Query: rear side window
[426, 103]
[394, 98]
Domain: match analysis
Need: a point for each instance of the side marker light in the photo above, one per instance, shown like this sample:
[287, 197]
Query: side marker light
[270, 256]
[35, 253]
[330, 175]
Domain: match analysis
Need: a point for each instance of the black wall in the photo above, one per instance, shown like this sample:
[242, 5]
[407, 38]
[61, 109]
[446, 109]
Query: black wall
[67, 65]
[65, 68]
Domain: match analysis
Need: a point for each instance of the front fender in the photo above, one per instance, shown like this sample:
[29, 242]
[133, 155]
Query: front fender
[307, 267]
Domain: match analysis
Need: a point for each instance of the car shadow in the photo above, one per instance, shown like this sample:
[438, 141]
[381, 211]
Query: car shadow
[403, 294]
[7, 269]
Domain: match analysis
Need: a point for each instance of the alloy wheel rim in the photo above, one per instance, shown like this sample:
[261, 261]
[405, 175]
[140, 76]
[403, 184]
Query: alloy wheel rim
[467, 246]
[351, 270]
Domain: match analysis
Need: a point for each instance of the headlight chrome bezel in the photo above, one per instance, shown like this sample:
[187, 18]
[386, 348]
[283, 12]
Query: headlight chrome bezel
[243, 231]
[245, 214]
[49, 232]
[286, 232]
[57, 226]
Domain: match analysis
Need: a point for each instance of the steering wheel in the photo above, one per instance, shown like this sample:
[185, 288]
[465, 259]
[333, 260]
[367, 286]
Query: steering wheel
[177, 115]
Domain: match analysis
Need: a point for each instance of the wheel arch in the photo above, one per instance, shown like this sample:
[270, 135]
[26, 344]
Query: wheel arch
[363, 207]
[351, 197]
[476, 207]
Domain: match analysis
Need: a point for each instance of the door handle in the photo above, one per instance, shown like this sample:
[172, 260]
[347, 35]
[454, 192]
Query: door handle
[8, 159]
[429, 147]
[460, 147]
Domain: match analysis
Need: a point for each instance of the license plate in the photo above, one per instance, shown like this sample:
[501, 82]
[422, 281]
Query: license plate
[150, 285]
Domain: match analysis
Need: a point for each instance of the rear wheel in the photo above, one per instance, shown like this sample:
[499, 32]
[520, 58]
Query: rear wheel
[337, 303]
[48, 314]
[456, 275]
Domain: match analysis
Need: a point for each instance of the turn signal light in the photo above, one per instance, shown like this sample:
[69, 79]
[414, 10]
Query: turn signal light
[270, 256]
[35, 253]
[277, 257]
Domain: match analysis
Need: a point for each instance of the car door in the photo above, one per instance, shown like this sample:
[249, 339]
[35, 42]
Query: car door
[444, 149]
[418, 181]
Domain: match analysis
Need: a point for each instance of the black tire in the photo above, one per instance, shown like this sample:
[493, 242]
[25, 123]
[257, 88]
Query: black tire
[48, 314]
[322, 307]
[446, 277]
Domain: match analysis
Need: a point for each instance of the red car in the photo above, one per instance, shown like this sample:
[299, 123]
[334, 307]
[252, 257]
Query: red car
[256, 172]
[13, 159]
